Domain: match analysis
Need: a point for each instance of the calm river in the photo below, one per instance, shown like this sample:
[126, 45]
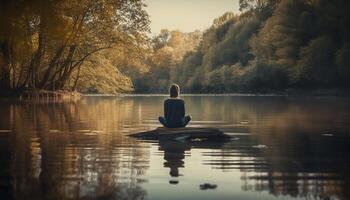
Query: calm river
[282, 148]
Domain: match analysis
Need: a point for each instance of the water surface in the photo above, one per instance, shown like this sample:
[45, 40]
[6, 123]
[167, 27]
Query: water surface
[281, 148]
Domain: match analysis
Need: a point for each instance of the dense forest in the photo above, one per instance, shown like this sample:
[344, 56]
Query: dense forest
[273, 45]
[105, 47]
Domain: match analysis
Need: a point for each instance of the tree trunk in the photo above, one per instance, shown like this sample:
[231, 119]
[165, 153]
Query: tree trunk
[65, 69]
[5, 82]
[49, 71]
[76, 79]
[32, 77]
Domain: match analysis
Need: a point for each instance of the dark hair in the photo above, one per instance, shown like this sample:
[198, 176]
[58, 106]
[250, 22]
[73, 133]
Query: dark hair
[174, 90]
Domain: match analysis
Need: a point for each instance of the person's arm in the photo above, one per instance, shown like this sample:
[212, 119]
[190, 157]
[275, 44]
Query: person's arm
[165, 109]
[182, 111]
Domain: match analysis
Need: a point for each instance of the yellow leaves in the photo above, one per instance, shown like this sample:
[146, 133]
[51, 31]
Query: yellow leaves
[100, 74]
[228, 16]
[104, 79]
[59, 28]
[87, 25]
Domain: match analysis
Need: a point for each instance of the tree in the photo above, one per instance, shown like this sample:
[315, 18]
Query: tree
[263, 8]
[315, 67]
[167, 50]
[44, 42]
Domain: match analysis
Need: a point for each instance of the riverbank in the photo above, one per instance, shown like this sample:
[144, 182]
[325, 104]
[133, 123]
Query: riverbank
[40, 95]
[336, 92]
[64, 95]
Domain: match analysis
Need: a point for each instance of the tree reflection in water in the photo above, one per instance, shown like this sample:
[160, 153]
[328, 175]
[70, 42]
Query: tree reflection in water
[302, 166]
[53, 154]
[79, 150]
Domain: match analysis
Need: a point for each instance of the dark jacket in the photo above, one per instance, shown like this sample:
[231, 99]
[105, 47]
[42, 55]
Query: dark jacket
[174, 112]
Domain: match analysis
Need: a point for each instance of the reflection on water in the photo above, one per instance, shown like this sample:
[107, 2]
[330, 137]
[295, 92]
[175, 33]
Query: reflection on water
[281, 147]
[174, 153]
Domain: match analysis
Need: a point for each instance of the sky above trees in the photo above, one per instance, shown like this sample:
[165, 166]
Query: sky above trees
[187, 15]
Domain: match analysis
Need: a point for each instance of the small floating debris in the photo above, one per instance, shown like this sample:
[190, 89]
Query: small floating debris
[327, 134]
[208, 186]
[260, 146]
[234, 138]
[174, 182]
[244, 122]
[5, 131]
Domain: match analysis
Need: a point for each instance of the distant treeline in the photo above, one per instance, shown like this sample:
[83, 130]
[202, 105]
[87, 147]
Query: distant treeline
[271, 46]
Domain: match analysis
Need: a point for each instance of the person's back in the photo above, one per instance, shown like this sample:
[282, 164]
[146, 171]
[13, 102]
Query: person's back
[174, 110]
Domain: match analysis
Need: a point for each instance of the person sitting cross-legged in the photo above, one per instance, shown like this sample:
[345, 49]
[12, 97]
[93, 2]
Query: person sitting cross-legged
[174, 110]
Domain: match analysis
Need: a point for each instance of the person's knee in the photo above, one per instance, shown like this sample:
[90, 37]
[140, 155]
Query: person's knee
[162, 120]
[187, 119]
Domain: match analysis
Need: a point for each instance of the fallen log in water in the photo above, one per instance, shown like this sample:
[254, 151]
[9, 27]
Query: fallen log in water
[189, 133]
